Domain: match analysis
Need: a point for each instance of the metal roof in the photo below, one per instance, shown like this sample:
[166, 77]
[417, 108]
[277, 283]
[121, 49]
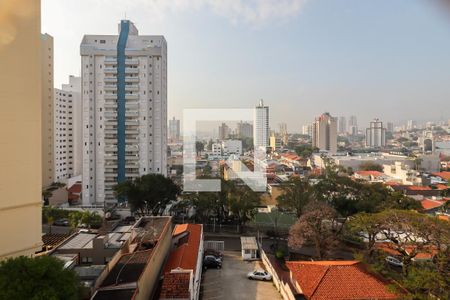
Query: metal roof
[249, 243]
[79, 241]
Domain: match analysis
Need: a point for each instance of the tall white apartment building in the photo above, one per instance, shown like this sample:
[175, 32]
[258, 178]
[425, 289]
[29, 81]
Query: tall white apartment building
[174, 130]
[244, 130]
[324, 133]
[67, 138]
[376, 134]
[124, 93]
[261, 126]
[307, 130]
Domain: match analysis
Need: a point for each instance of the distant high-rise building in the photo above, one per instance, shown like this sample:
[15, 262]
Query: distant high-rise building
[244, 130]
[224, 131]
[174, 130]
[275, 142]
[411, 124]
[376, 134]
[324, 133]
[307, 130]
[47, 110]
[353, 125]
[389, 127]
[68, 131]
[261, 126]
[284, 136]
[427, 141]
[342, 125]
[20, 128]
[124, 92]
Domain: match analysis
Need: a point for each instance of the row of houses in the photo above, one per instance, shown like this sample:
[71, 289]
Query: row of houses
[150, 259]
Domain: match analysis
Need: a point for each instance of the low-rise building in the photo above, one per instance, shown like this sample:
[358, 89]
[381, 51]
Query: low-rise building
[323, 280]
[134, 272]
[183, 269]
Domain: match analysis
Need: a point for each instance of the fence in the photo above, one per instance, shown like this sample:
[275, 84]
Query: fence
[215, 245]
[280, 283]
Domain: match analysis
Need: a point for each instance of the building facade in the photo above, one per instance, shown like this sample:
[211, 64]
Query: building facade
[20, 130]
[224, 131]
[67, 131]
[324, 133]
[376, 134]
[174, 130]
[124, 96]
[342, 125]
[244, 130]
[261, 126]
[353, 125]
[47, 111]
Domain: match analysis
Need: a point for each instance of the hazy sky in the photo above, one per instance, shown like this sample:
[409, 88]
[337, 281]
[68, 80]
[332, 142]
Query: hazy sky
[385, 58]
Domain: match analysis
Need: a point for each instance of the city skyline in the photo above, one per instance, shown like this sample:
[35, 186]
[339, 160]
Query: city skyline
[330, 66]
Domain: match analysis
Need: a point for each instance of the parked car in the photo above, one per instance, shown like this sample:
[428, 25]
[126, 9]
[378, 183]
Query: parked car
[214, 257]
[214, 253]
[211, 262]
[259, 275]
[61, 222]
[393, 261]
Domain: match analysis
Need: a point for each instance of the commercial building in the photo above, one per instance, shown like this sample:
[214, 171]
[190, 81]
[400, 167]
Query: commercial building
[174, 130]
[261, 126]
[324, 133]
[390, 127]
[67, 131]
[231, 147]
[275, 142]
[376, 134]
[47, 111]
[124, 96]
[244, 130]
[20, 129]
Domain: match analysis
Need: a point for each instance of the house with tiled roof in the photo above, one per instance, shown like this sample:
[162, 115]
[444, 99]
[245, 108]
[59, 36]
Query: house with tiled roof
[325, 280]
[443, 175]
[183, 269]
[373, 176]
[433, 205]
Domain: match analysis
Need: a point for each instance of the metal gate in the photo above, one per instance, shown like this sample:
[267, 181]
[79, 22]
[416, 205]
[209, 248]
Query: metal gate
[214, 245]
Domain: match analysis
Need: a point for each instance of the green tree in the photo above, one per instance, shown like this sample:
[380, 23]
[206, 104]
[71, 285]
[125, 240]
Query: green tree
[315, 226]
[39, 278]
[199, 147]
[371, 166]
[368, 226]
[243, 202]
[305, 150]
[296, 194]
[149, 194]
[205, 204]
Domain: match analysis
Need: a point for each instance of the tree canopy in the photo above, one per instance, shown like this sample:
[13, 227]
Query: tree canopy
[39, 278]
[149, 194]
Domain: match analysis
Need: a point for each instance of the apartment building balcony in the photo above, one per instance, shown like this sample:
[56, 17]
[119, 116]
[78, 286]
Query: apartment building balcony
[131, 79]
[110, 87]
[110, 70]
[132, 61]
[131, 71]
[110, 79]
[132, 122]
[110, 96]
[131, 96]
[110, 61]
[132, 88]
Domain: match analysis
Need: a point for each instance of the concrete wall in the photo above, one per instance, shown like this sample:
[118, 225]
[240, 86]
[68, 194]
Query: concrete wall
[20, 128]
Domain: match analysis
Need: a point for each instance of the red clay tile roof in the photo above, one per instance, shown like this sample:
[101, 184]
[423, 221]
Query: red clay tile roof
[445, 175]
[430, 203]
[368, 173]
[337, 280]
[186, 255]
[425, 254]
[444, 218]
[441, 186]
[75, 188]
[417, 188]
[175, 286]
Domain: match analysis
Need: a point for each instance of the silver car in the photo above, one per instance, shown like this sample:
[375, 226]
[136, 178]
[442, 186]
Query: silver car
[259, 275]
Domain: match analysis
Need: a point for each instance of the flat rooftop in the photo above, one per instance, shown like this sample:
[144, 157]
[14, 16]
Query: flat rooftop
[80, 240]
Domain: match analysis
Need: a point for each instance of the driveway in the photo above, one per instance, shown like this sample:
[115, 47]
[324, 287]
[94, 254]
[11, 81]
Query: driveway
[231, 283]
